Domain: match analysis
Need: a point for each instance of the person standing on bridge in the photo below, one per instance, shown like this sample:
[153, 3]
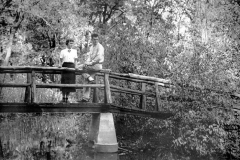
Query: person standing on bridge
[68, 58]
[94, 60]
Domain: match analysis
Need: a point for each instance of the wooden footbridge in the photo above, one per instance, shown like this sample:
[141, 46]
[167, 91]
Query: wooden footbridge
[31, 103]
[108, 83]
[108, 87]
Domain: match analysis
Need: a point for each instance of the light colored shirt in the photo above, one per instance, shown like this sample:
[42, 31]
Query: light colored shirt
[96, 54]
[68, 55]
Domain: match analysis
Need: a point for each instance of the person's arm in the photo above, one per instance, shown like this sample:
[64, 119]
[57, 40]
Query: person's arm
[87, 58]
[60, 59]
[75, 59]
[100, 56]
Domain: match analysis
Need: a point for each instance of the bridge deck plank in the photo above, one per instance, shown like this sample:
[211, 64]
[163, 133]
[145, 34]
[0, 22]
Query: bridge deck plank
[77, 108]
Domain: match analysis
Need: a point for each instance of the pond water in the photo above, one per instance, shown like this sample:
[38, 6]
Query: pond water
[65, 137]
[48, 137]
[91, 155]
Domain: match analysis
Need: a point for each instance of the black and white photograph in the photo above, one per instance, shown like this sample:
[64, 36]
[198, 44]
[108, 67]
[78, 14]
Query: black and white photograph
[119, 79]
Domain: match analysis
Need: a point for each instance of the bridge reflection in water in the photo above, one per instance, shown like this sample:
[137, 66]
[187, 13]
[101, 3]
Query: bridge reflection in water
[91, 154]
[106, 156]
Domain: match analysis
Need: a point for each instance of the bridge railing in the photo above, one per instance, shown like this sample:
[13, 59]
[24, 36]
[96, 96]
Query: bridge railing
[144, 82]
[107, 75]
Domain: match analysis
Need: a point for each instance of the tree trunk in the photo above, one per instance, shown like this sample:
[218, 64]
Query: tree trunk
[9, 47]
[202, 15]
[8, 55]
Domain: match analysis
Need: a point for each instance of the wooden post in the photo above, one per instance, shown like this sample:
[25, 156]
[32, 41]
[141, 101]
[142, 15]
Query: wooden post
[143, 97]
[107, 91]
[95, 92]
[33, 88]
[157, 97]
[27, 97]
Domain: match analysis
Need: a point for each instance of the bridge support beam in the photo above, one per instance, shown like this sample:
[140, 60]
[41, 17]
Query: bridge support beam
[103, 133]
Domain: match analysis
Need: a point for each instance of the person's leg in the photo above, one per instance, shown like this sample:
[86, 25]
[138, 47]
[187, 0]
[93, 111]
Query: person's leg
[87, 90]
[86, 94]
[70, 79]
[67, 94]
[64, 80]
[88, 77]
[85, 75]
[63, 89]
[63, 96]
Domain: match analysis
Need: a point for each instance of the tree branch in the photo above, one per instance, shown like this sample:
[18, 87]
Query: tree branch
[111, 11]
[185, 10]
[105, 13]
[116, 22]
[18, 20]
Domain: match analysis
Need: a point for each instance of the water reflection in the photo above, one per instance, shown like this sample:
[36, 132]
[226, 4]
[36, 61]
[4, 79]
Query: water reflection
[91, 154]
[106, 156]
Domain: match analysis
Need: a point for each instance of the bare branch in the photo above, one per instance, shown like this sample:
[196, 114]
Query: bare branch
[111, 11]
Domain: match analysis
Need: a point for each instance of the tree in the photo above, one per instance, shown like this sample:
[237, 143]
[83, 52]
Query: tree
[50, 21]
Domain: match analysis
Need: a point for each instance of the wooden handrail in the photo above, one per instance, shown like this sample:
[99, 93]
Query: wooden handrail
[166, 85]
[46, 85]
[77, 86]
[31, 86]
[15, 85]
[56, 70]
[156, 83]
[131, 91]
